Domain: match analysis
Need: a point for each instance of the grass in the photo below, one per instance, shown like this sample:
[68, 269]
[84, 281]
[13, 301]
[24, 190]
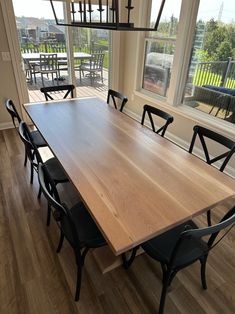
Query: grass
[209, 78]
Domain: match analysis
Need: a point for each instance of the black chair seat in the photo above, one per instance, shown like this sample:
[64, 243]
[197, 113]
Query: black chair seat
[38, 139]
[88, 232]
[56, 171]
[161, 247]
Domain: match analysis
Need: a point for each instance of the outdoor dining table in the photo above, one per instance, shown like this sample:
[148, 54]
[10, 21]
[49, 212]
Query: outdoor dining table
[134, 183]
[34, 56]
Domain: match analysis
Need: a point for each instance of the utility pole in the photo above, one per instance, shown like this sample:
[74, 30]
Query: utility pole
[220, 12]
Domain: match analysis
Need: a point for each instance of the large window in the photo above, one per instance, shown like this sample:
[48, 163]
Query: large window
[159, 50]
[211, 77]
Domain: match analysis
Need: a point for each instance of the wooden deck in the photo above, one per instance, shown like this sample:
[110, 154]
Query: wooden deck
[83, 87]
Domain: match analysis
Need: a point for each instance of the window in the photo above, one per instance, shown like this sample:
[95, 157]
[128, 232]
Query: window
[210, 84]
[160, 48]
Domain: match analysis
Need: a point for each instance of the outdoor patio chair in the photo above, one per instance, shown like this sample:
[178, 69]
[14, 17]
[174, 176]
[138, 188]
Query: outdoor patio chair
[31, 69]
[94, 68]
[49, 65]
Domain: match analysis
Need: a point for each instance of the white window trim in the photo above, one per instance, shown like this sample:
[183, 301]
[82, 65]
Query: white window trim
[184, 43]
[183, 46]
[12, 37]
[182, 56]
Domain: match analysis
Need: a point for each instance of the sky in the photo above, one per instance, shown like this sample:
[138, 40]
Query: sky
[208, 9]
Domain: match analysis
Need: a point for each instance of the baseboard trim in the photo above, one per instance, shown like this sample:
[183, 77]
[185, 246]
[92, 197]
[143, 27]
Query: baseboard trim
[6, 125]
[183, 144]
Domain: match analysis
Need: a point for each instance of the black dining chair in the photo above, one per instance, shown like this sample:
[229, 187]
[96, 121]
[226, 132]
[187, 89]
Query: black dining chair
[36, 136]
[114, 95]
[150, 110]
[203, 134]
[67, 89]
[183, 246]
[54, 168]
[76, 224]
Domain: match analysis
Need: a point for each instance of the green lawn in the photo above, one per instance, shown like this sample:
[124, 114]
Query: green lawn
[209, 78]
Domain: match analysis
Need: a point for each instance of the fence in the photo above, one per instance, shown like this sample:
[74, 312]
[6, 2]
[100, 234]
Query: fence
[55, 47]
[217, 73]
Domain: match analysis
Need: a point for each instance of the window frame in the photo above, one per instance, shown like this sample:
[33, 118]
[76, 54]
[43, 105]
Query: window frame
[181, 60]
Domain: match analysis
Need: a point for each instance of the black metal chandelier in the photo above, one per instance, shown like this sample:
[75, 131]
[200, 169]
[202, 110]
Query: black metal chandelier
[104, 14]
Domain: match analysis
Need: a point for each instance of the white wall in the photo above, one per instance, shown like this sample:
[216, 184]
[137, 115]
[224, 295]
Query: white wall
[8, 87]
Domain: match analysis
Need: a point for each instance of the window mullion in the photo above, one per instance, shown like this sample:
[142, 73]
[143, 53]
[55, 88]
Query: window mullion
[184, 42]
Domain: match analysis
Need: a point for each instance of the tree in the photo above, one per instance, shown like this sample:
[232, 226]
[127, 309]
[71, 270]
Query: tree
[224, 51]
[219, 41]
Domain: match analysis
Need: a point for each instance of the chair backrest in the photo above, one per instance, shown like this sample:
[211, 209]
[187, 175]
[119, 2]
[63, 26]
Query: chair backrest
[59, 88]
[48, 62]
[114, 94]
[61, 212]
[97, 61]
[30, 148]
[203, 133]
[193, 237]
[162, 114]
[12, 111]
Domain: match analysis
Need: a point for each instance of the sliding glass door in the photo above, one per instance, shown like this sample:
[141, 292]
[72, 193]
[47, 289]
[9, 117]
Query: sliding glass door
[82, 55]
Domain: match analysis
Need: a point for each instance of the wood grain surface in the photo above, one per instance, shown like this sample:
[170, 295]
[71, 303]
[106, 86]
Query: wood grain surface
[34, 279]
[135, 183]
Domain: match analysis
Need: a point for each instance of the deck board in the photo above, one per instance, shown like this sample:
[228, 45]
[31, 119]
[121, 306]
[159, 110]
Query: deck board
[83, 87]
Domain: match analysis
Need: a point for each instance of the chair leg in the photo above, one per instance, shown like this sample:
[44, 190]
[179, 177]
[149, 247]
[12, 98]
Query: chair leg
[203, 272]
[31, 173]
[164, 272]
[102, 77]
[78, 284]
[164, 292]
[42, 79]
[39, 192]
[84, 253]
[35, 80]
[48, 214]
[208, 213]
[79, 262]
[25, 157]
[60, 242]
[127, 263]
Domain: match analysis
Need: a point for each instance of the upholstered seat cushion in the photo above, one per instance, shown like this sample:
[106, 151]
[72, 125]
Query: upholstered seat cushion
[38, 139]
[56, 171]
[88, 232]
[225, 90]
[162, 246]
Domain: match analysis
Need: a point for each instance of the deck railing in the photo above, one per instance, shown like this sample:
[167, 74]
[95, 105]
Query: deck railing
[217, 73]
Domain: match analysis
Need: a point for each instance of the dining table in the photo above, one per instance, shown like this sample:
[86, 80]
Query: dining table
[135, 183]
[35, 56]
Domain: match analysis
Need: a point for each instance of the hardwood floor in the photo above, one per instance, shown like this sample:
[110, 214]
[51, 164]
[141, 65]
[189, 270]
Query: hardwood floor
[34, 279]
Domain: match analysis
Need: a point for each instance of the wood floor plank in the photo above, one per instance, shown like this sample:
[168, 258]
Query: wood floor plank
[35, 279]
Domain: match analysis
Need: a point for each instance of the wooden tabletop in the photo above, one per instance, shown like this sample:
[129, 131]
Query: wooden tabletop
[135, 183]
